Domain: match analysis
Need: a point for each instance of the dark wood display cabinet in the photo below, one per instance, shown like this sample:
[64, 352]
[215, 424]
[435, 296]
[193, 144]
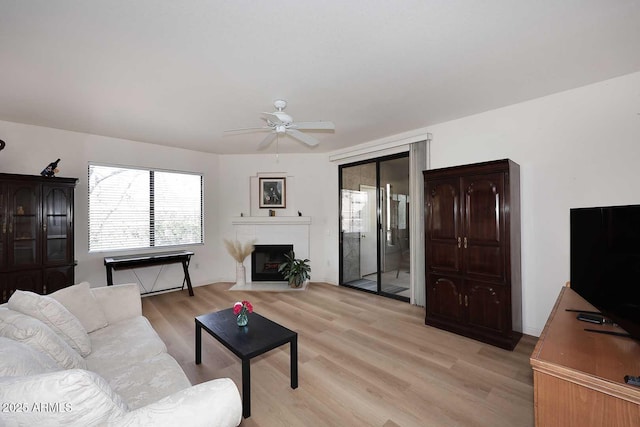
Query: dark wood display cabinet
[472, 226]
[36, 235]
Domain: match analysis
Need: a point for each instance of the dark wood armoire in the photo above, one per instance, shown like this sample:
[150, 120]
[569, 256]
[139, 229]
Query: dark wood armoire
[473, 274]
[36, 234]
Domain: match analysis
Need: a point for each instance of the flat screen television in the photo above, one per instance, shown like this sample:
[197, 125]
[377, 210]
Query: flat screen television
[605, 262]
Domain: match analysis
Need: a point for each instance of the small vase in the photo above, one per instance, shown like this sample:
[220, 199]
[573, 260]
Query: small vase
[242, 319]
[240, 274]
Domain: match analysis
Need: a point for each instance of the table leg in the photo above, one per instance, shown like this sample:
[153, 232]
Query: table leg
[246, 388]
[109, 275]
[294, 361]
[198, 344]
[185, 267]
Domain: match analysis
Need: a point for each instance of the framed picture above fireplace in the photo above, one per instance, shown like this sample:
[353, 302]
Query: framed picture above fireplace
[273, 192]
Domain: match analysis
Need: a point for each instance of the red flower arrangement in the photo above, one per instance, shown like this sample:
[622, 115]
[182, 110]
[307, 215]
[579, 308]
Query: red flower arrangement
[243, 307]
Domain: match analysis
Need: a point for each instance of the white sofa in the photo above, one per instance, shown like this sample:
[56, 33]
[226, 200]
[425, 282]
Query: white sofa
[85, 357]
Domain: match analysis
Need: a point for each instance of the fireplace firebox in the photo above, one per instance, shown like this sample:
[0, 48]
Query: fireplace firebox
[265, 260]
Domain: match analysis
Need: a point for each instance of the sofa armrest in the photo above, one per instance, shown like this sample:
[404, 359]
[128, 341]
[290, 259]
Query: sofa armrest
[71, 397]
[119, 302]
[215, 403]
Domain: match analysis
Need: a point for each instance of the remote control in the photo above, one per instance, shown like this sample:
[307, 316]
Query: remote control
[592, 318]
[632, 380]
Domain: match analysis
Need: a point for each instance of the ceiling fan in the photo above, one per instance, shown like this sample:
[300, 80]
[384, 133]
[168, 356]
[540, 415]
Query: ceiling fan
[280, 123]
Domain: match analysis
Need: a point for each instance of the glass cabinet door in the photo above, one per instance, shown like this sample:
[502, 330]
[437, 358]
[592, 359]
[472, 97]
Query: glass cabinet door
[23, 236]
[56, 222]
[3, 229]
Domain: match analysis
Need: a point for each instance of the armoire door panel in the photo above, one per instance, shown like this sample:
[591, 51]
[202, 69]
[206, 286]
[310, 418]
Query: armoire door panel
[57, 278]
[443, 205]
[27, 280]
[444, 257]
[483, 214]
[444, 297]
[486, 306]
[485, 262]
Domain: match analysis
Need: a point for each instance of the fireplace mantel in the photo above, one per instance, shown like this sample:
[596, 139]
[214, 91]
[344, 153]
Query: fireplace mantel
[271, 220]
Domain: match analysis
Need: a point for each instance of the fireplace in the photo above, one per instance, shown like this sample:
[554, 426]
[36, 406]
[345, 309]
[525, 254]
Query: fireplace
[273, 230]
[265, 260]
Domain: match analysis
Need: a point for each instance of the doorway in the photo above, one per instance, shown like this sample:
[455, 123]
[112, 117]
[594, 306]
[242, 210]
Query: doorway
[374, 226]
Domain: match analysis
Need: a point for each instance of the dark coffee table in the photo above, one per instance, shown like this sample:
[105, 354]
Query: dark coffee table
[247, 342]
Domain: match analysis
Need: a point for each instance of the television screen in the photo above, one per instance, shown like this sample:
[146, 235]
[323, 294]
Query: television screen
[605, 262]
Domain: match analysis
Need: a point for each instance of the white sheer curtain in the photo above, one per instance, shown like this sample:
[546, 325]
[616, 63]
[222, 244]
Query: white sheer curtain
[417, 163]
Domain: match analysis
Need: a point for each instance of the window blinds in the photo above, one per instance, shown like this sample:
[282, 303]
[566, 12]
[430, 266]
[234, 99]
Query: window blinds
[143, 208]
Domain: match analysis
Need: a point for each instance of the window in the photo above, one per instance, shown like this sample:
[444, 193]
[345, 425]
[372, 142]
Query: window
[143, 208]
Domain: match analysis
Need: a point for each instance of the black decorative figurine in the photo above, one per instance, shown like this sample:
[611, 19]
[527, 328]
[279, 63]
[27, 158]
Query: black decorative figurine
[51, 169]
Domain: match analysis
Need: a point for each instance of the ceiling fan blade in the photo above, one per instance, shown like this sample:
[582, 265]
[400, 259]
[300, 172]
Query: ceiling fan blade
[309, 140]
[321, 125]
[267, 140]
[247, 129]
[273, 118]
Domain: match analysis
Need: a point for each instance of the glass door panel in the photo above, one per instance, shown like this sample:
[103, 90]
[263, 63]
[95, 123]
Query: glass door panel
[56, 223]
[394, 244]
[3, 229]
[358, 237]
[23, 226]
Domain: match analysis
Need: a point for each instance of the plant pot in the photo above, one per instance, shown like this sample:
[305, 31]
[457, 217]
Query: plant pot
[241, 274]
[293, 284]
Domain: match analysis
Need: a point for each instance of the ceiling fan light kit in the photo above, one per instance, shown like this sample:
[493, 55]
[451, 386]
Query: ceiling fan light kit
[280, 123]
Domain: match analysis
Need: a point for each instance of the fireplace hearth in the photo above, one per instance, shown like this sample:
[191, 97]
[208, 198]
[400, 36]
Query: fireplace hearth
[265, 260]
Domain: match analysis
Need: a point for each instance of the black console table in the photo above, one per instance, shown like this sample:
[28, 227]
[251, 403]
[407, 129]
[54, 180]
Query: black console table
[145, 260]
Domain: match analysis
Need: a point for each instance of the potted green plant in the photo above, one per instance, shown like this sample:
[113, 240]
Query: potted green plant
[295, 271]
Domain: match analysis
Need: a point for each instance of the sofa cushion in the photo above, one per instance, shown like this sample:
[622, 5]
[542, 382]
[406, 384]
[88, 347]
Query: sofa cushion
[40, 337]
[126, 342]
[146, 381]
[79, 300]
[119, 302]
[54, 315]
[70, 397]
[17, 359]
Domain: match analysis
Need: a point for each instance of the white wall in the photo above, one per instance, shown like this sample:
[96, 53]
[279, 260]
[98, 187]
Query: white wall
[30, 148]
[575, 148]
[314, 194]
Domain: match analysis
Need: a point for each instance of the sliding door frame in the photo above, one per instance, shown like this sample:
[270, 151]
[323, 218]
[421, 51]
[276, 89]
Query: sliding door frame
[379, 224]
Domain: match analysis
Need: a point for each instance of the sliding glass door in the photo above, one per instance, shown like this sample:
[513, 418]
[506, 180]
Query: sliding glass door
[374, 233]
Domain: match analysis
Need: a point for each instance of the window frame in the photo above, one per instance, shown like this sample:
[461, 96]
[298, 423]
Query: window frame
[151, 204]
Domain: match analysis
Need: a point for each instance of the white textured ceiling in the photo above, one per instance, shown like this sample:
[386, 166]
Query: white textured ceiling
[178, 73]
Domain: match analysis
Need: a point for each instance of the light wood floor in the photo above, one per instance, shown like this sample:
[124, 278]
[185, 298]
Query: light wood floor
[364, 360]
